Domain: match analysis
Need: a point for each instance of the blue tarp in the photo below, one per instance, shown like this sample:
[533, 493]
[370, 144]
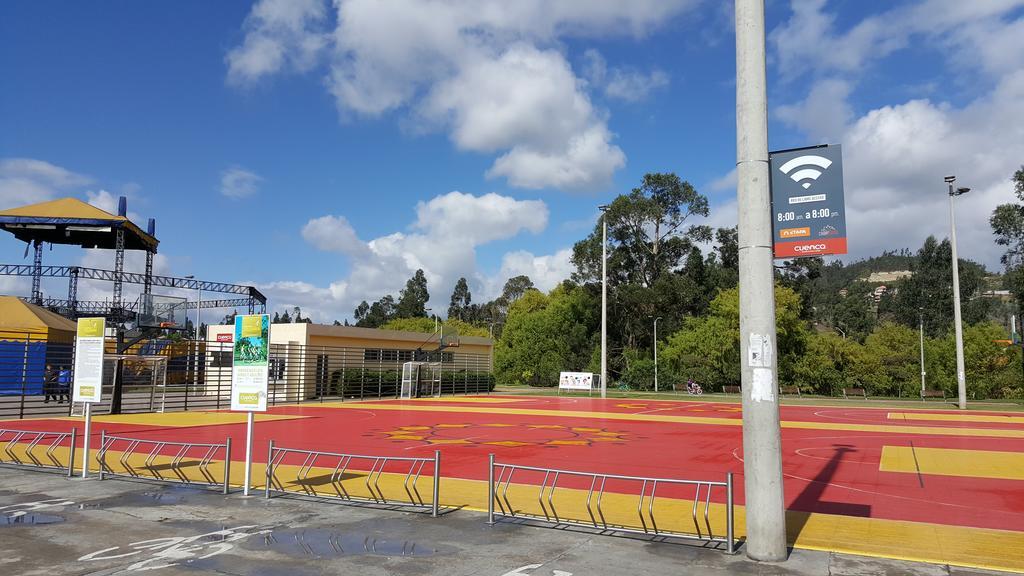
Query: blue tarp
[21, 372]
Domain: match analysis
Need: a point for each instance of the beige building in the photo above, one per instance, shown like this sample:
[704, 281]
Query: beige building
[317, 360]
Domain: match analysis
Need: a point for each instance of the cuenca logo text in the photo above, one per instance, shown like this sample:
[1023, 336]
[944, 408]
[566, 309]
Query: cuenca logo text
[809, 247]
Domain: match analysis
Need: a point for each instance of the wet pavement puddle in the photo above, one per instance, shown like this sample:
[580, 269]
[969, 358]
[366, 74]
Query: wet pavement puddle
[28, 519]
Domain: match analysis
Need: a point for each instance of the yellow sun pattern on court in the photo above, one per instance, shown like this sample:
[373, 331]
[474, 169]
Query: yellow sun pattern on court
[502, 434]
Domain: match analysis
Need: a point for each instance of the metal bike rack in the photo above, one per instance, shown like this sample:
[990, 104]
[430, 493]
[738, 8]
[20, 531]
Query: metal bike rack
[499, 484]
[33, 438]
[177, 451]
[344, 462]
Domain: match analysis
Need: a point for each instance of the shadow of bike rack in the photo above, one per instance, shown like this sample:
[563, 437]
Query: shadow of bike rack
[32, 439]
[500, 479]
[155, 450]
[346, 466]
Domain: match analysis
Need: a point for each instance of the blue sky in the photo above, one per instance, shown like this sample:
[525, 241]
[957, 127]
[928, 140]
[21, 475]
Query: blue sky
[355, 141]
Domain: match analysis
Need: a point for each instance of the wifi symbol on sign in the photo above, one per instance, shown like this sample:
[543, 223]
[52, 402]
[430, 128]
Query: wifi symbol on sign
[807, 173]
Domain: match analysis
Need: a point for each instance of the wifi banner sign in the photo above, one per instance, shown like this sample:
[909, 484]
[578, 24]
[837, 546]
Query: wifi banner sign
[808, 211]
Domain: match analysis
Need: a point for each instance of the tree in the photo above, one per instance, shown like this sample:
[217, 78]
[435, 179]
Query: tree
[929, 290]
[546, 334]
[375, 315]
[286, 318]
[646, 231]
[460, 302]
[360, 312]
[276, 319]
[1008, 225]
[828, 365]
[426, 326]
[412, 300]
[515, 288]
[707, 348]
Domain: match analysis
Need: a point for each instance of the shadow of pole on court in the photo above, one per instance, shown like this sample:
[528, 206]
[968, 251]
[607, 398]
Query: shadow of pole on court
[809, 500]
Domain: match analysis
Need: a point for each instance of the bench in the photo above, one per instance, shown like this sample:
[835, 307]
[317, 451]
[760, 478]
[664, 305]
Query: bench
[790, 390]
[848, 392]
[932, 394]
[731, 389]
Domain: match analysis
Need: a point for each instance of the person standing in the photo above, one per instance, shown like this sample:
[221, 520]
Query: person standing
[49, 384]
[64, 385]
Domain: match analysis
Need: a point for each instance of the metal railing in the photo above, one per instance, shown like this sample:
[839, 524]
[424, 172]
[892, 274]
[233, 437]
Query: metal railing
[498, 489]
[343, 464]
[158, 450]
[34, 438]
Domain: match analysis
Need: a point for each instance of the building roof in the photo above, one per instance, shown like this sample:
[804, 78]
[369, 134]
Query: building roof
[16, 315]
[72, 221]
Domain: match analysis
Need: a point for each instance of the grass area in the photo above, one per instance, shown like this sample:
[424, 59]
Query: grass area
[805, 400]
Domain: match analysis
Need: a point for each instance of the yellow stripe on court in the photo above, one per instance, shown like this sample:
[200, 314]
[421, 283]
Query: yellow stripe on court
[939, 417]
[953, 462]
[185, 419]
[845, 427]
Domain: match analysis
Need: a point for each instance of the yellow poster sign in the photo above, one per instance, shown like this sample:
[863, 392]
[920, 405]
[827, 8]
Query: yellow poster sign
[90, 327]
[252, 325]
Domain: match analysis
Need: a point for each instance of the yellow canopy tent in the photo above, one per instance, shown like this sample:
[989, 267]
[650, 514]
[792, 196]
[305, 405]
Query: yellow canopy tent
[22, 321]
[32, 338]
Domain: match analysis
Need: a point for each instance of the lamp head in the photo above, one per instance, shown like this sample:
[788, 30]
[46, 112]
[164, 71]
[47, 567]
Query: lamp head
[950, 179]
[960, 191]
[604, 207]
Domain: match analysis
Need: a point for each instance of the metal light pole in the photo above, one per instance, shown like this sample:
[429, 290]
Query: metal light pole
[961, 376]
[435, 318]
[921, 317]
[762, 434]
[656, 353]
[199, 314]
[604, 300]
[199, 305]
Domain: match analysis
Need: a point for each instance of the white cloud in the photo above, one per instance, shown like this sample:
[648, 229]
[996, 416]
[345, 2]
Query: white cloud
[545, 271]
[479, 219]
[279, 34]
[28, 181]
[442, 240]
[626, 84]
[104, 200]
[896, 156]
[987, 33]
[824, 114]
[236, 182]
[490, 72]
[333, 234]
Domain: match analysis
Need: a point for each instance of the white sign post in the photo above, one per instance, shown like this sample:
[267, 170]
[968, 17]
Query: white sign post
[250, 372]
[576, 381]
[88, 380]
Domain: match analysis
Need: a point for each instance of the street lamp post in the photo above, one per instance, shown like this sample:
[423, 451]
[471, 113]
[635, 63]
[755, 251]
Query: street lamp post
[435, 318]
[920, 312]
[961, 376]
[656, 353]
[199, 306]
[604, 300]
